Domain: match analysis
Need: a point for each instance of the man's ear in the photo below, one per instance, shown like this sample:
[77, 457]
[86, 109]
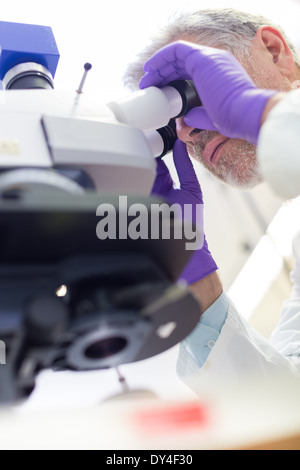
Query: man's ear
[272, 40]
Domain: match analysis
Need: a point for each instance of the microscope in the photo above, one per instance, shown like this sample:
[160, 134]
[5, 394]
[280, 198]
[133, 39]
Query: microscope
[68, 300]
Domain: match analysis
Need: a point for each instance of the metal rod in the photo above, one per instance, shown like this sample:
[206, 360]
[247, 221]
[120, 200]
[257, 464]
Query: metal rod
[87, 68]
[122, 381]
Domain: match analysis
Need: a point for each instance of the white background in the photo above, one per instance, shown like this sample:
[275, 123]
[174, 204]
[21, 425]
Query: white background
[108, 34]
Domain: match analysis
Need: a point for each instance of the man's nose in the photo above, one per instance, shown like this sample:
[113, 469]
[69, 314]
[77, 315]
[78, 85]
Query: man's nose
[185, 133]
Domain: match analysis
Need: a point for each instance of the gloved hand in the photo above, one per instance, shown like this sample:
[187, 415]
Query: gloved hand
[201, 264]
[233, 105]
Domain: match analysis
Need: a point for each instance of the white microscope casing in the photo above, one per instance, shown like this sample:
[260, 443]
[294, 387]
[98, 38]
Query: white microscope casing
[53, 129]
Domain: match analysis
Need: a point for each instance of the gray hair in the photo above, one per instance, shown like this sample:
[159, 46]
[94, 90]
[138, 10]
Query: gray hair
[228, 28]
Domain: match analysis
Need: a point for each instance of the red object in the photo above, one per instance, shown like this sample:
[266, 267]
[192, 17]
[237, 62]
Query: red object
[173, 418]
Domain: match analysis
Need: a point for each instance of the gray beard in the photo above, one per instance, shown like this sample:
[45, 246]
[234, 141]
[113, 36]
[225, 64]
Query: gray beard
[236, 168]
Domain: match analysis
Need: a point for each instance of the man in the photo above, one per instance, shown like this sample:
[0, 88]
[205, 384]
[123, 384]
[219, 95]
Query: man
[266, 54]
[223, 135]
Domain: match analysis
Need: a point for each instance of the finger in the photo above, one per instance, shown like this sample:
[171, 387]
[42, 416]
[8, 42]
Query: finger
[199, 119]
[161, 168]
[164, 56]
[185, 169]
[162, 77]
[155, 78]
[175, 52]
[166, 65]
[163, 182]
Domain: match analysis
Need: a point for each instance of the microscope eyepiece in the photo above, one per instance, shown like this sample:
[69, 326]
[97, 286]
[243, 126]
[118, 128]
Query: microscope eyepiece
[153, 110]
[188, 93]
[162, 140]
[168, 134]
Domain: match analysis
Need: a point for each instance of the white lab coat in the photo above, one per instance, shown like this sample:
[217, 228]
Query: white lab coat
[279, 147]
[240, 351]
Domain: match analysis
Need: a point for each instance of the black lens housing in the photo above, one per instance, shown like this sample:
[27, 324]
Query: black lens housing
[169, 137]
[190, 100]
[28, 76]
[30, 81]
[188, 93]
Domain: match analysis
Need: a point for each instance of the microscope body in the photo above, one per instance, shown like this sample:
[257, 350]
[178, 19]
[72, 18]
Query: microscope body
[49, 129]
[68, 300]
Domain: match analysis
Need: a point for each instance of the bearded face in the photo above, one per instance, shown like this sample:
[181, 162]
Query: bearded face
[233, 161]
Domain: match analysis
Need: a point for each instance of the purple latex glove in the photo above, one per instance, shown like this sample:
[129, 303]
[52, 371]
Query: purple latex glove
[233, 105]
[202, 263]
